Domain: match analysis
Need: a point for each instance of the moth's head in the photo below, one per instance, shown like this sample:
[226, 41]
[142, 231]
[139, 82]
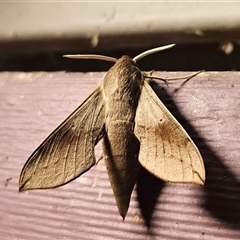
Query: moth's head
[125, 64]
[125, 59]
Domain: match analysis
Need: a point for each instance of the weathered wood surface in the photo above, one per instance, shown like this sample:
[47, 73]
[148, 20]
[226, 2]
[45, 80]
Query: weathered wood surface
[33, 104]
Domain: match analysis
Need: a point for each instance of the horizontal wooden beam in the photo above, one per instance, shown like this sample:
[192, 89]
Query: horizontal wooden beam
[208, 107]
[31, 27]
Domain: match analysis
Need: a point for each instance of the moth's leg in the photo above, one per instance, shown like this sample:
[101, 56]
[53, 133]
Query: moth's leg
[166, 80]
[148, 77]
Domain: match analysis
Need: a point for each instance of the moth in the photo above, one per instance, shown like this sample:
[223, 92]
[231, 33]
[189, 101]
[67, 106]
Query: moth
[136, 130]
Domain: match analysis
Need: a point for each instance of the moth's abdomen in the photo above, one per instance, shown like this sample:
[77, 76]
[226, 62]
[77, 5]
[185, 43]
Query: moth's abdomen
[120, 148]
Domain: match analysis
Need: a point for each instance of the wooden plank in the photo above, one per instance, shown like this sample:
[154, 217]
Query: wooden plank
[33, 104]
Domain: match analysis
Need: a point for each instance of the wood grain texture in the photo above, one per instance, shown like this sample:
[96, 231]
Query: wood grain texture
[207, 106]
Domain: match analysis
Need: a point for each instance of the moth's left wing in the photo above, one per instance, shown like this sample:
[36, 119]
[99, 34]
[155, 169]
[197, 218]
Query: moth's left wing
[69, 150]
[166, 150]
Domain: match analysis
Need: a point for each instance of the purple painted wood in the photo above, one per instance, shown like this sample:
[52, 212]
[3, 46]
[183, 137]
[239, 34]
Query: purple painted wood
[33, 104]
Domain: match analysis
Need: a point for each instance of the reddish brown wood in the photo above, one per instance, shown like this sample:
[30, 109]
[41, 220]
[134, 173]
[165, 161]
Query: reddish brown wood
[33, 104]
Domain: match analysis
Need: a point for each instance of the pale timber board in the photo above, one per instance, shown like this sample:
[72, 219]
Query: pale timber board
[33, 104]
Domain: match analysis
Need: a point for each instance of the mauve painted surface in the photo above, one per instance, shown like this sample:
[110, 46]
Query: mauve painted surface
[33, 104]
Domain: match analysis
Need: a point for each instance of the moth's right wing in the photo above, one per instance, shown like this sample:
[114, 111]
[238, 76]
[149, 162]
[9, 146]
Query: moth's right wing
[166, 150]
[69, 150]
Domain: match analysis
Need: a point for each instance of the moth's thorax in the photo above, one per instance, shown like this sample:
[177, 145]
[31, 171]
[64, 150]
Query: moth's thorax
[124, 77]
[121, 88]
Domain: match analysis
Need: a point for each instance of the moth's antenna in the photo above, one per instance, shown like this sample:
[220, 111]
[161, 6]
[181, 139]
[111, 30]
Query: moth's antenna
[112, 59]
[154, 50]
[91, 56]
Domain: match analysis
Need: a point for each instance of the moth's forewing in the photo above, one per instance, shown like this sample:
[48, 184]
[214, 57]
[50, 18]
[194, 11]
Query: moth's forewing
[69, 150]
[166, 150]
